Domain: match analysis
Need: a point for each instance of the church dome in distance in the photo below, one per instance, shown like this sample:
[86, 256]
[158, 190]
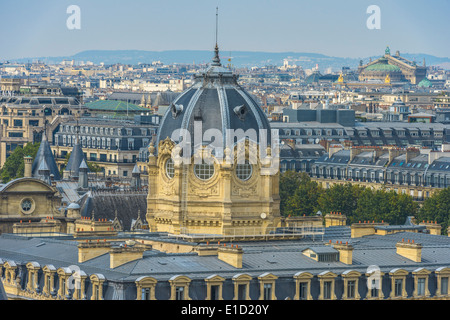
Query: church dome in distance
[425, 83]
[383, 66]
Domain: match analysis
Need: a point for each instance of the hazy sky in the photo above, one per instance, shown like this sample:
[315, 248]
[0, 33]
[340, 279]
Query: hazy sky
[37, 28]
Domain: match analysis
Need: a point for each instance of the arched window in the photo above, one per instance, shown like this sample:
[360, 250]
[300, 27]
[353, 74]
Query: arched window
[146, 288]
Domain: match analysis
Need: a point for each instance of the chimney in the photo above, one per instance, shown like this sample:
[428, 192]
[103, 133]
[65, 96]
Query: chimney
[92, 249]
[393, 153]
[345, 252]
[410, 250]
[206, 250]
[335, 219]
[332, 149]
[354, 151]
[231, 255]
[365, 228]
[411, 153]
[28, 161]
[126, 253]
[433, 228]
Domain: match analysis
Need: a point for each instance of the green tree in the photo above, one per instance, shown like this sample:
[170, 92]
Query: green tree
[93, 167]
[289, 182]
[437, 208]
[377, 205]
[340, 198]
[304, 199]
[300, 195]
[14, 165]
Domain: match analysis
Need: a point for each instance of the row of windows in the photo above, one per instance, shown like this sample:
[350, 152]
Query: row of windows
[304, 166]
[56, 284]
[361, 133]
[106, 130]
[327, 286]
[432, 180]
[102, 143]
[398, 133]
[205, 171]
[310, 132]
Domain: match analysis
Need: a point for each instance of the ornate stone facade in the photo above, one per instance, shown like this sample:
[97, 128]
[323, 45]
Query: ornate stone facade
[181, 202]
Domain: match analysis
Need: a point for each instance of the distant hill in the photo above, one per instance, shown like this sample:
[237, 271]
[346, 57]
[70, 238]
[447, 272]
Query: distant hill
[238, 58]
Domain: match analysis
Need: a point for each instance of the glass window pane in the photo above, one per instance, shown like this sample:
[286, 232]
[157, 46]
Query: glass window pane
[444, 285]
[170, 170]
[204, 171]
[244, 171]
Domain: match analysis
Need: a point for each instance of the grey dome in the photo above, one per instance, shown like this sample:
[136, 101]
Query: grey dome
[218, 102]
[73, 205]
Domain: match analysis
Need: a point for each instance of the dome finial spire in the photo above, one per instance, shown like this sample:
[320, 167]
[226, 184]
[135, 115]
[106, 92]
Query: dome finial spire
[217, 22]
[216, 60]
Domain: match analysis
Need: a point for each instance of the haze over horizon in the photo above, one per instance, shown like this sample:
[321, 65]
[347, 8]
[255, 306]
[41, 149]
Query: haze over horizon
[38, 29]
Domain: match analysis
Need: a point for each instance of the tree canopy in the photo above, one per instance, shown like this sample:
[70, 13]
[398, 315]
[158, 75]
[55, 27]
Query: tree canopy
[437, 208]
[299, 195]
[14, 165]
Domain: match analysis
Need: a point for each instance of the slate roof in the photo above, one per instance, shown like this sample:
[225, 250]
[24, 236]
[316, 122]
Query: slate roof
[283, 258]
[45, 154]
[76, 158]
[278, 257]
[112, 105]
[105, 204]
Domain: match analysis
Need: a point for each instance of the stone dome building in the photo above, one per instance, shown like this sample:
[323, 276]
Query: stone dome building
[213, 168]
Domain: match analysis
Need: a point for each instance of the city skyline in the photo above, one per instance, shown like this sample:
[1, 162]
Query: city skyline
[327, 27]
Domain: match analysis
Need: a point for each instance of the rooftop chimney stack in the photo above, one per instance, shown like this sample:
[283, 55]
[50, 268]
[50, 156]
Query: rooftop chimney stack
[28, 161]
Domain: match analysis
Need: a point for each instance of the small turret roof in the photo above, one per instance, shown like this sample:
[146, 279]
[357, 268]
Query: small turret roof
[83, 165]
[76, 158]
[45, 153]
[136, 169]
